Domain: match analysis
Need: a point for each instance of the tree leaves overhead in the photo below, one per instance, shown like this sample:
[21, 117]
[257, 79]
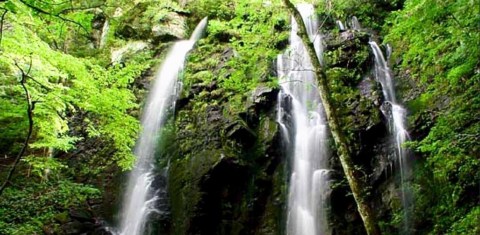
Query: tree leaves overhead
[63, 85]
[78, 98]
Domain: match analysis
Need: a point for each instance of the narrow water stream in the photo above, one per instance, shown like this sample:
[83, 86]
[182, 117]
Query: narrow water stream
[396, 115]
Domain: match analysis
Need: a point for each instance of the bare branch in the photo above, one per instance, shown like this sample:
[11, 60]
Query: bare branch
[2, 19]
[39, 83]
[67, 10]
[59, 16]
[28, 98]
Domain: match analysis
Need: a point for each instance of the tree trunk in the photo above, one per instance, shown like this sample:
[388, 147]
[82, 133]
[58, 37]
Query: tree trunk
[354, 176]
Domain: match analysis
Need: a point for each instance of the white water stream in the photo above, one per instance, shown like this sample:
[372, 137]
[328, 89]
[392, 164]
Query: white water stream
[140, 196]
[104, 35]
[396, 116]
[306, 133]
[340, 25]
[354, 24]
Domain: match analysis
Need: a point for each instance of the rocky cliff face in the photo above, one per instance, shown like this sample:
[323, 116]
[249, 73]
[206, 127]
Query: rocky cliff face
[227, 172]
[359, 99]
[226, 166]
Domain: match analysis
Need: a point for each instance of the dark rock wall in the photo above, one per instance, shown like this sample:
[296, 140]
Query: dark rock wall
[226, 176]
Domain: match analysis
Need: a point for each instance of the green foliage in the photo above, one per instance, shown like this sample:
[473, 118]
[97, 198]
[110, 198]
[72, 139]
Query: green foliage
[438, 44]
[251, 32]
[449, 44]
[41, 165]
[62, 85]
[20, 47]
[79, 99]
[370, 13]
[468, 224]
[212, 9]
[107, 97]
[28, 209]
[159, 10]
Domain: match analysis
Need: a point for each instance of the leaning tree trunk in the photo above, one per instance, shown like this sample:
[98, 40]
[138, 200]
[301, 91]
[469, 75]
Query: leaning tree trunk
[354, 176]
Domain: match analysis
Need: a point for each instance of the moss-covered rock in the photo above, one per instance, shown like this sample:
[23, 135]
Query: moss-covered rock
[222, 176]
[226, 173]
[153, 21]
[358, 98]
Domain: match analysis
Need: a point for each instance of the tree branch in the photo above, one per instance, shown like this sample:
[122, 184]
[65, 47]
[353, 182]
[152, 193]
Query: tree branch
[67, 10]
[353, 174]
[39, 10]
[28, 98]
[2, 19]
[39, 83]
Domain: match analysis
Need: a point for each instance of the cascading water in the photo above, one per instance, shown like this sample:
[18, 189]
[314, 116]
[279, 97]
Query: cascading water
[140, 196]
[355, 24]
[396, 115]
[340, 25]
[105, 31]
[306, 134]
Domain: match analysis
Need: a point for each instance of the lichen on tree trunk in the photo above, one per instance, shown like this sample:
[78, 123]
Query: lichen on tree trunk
[354, 175]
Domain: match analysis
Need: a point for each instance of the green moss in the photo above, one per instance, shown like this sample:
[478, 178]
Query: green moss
[241, 62]
[184, 177]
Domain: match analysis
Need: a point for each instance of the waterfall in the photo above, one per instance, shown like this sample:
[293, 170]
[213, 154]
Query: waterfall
[304, 128]
[340, 25]
[105, 31]
[396, 115]
[354, 24]
[140, 196]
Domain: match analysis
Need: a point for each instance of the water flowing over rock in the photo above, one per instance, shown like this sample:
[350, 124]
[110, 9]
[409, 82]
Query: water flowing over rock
[140, 197]
[104, 35]
[341, 27]
[354, 24]
[396, 115]
[306, 136]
